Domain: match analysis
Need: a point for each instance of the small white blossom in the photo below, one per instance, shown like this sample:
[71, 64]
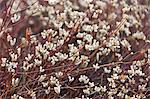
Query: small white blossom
[15, 82]
[19, 51]
[61, 56]
[45, 34]
[41, 69]
[13, 42]
[125, 43]
[86, 91]
[47, 91]
[3, 64]
[91, 84]
[139, 35]
[85, 3]
[97, 89]
[15, 96]
[1, 21]
[142, 87]
[106, 70]
[57, 89]
[96, 66]
[53, 80]
[33, 94]
[37, 62]
[84, 79]
[59, 74]
[15, 17]
[42, 78]
[53, 2]
[9, 38]
[88, 37]
[115, 76]
[113, 43]
[80, 35]
[11, 66]
[29, 57]
[13, 56]
[92, 46]
[71, 79]
[45, 84]
[103, 89]
[117, 69]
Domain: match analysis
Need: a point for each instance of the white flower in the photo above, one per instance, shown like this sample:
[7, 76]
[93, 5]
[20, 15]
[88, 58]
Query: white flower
[117, 69]
[80, 35]
[101, 4]
[15, 96]
[3, 62]
[97, 89]
[1, 21]
[47, 91]
[139, 35]
[61, 56]
[57, 89]
[20, 97]
[148, 56]
[69, 25]
[59, 74]
[11, 66]
[40, 48]
[115, 76]
[125, 43]
[53, 80]
[71, 79]
[142, 87]
[84, 79]
[112, 84]
[103, 89]
[53, 59]
[41, 69]
[88, 37]
[127, 97]
[113, 43]
[92, 46]
[13, 42]
[85, 3]
[44, 34]
[15, 82]
[95, 27]
[13, 56]
[53, 2]
[9, 38]
[50, 45]
[96, 66]
[33, 94]
[139, 72]
[19, 51]
[45, 84]
[29, 57]
[95, 15]
[37, 62]
[63, 32]
[86, 91]
[107, 70]
[91, 84]
[42, 78]
[15, 17]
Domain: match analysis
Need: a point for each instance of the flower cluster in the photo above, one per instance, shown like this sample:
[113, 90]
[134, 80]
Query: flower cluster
[74, 49]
